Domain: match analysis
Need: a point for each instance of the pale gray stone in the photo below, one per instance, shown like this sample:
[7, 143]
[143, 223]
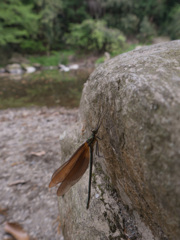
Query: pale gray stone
[14, 68]
[136, 186]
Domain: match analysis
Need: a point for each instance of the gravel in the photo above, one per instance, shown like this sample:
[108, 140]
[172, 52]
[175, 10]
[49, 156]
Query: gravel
[29, 154]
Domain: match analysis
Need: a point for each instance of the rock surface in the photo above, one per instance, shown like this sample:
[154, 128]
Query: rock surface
[136, 188]
[28, 68]
[14, 68]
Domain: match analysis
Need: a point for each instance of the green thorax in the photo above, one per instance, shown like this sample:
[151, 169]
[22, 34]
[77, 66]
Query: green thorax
[91, 140]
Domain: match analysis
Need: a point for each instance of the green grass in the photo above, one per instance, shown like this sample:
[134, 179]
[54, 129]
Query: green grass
[128, 48]
[48, 88]
[52, 75]
[113, 54]
[100, 60]
[54, 59]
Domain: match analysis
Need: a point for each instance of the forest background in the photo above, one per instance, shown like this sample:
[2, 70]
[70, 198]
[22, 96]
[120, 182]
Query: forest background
[47, 27]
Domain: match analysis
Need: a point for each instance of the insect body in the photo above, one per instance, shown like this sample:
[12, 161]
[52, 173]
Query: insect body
[72, 170]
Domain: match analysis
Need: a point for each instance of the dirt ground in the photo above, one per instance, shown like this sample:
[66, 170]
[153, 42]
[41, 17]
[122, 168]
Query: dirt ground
[29, 154]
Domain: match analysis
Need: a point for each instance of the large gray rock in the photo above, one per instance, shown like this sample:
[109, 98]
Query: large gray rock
[28, 68]
[136, 186]
[14, 68]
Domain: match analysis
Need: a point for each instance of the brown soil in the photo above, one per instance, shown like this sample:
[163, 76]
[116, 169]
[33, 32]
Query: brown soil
[29, 154]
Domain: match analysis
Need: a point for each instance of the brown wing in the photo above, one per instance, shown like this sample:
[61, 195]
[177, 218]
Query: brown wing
[60, 174]
[76, 172]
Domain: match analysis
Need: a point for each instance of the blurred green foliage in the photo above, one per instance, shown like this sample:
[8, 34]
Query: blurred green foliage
[17, 22]
[52, 60]
[40, 26]
[174, 22]
[94, 35]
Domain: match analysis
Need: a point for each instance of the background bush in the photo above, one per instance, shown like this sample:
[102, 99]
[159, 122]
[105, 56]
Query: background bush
[94, 35]
[40, 26]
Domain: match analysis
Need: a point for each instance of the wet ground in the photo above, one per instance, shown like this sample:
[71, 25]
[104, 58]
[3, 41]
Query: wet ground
[29, 154]
[45, 88]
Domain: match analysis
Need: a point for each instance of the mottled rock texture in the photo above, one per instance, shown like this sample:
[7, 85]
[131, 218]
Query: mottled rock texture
[136, 185]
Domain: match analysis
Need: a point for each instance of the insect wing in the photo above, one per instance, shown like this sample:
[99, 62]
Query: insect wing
[76, 172]
[60, 174]
[59, 169]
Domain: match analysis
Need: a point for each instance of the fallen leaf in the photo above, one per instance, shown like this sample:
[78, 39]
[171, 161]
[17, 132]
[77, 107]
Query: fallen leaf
[55, 114]
[16, 230]
[17, 163]
[38, 154]
[17, 182]
[3, 211]
[57, 220]
[83, 130]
